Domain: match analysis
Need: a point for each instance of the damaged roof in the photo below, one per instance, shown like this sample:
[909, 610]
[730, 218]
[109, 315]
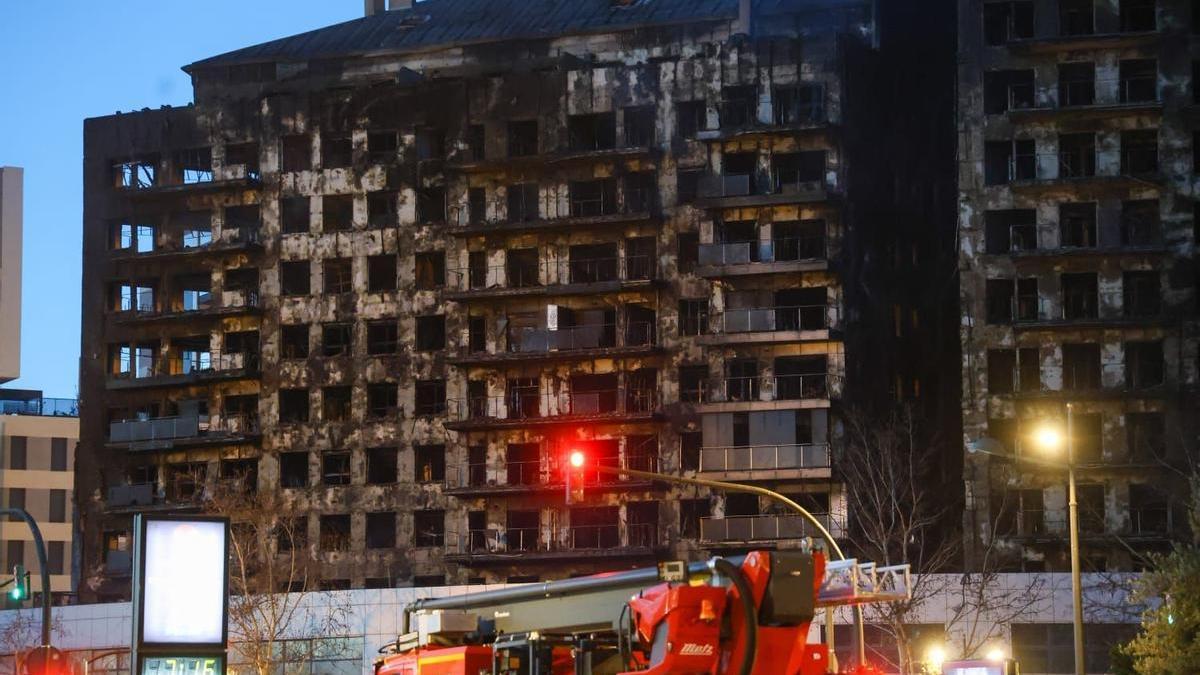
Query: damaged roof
[436, 23]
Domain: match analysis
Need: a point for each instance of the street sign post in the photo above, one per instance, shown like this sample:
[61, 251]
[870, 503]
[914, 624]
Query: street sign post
[180, 595]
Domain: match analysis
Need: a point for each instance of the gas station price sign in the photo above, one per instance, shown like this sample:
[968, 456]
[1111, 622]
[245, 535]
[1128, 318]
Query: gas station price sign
[183, 665]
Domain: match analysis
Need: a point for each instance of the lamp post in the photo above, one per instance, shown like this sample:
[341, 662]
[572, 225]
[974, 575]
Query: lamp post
[1050, 439]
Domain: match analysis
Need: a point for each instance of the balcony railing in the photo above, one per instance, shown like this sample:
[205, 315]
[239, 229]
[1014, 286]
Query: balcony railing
[760, 528]
[194, 365]
[556, 272]
[1151, 520]
[782, 387]
[765, 457]
[45, 407]
[756, 319]
[181, 427]
[592, 336]
[572, 538]
[532, 406]
[717, 186]
[777, 250]
[540, 472]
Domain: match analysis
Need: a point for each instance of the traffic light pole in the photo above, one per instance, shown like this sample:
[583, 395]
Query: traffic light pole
[753, 489]
[41, 556]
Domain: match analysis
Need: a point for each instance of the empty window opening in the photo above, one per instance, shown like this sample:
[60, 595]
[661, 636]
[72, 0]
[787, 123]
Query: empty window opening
[430, 397]
[429, 528]
[383, 147]
[431, 333]
[691, 117]
[687, 185]
[430, 463]
[1143, 364]
[381, 273]
[1140, 223]
[1076, 155]
[1010, 230]
[640, 191]
[1146, 435]
[137, 174]
[522, 396]
[297, 153]
[741, 379]
[522, 138]
[597, 131]
[335, 468]
[335, 532]
[1142, 293]
[799, 377]
[381, 530]
[381, 466]
[383, 337]
[798, 104]
[431, 204]
[1080, 296]
[687, 246]
[293, 405]
[693, 384]
[294, 215]
[193, 166]
[590, 263]
[383, 400]
[244, 155]
[1081, 366]
[639, 126]
[522, 202]
[381, 208]
[1139, 152]
[337, 152]
[521, 267]
[1005, 90]
[1077, 224]
[1000, 300]
[739, 106]
[1138, 16]
[335, 404]
[477, 334]
[595, 527]
[337, 213]
[1005, 161]
[1004, 22]
[476, 142]
[1076, 17]
[1076, 83]
[294, 277]
[430, 270]
[593, 197]
[196, 293]
[339, 276]
[431, 143]
[693, 317]
[476, 205]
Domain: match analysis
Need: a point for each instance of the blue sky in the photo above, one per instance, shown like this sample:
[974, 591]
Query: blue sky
[61, 62]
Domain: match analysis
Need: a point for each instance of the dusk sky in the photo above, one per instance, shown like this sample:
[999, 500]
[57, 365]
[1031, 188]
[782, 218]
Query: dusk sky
[61, 62]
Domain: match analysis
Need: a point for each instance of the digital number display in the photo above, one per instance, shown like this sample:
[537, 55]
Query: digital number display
[183, 665]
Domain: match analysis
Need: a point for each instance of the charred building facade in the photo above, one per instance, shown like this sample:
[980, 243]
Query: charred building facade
[394, 269]
[1077, 213]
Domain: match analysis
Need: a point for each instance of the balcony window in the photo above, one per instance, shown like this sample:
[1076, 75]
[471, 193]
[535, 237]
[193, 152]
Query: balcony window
[1077, 224]
[1138, 16]
[335, 468]
[477, 334]
[339, 277]
[640, 192]
[693, 317]
[1139, 152]
[797, 171]
[296, 153]
[196, 293]
[522, 397]
[1140, 223]
[691, 117]
[294, 277]
[521, 528]
[1004, 22]
[193, 166]
[586, 133]
[591, 263]
[430, 397]
[1005, 90]
[799, 104]
[800, 377]
[693, 384]
[383, 337]
[381, 208]
[383, 400]
[430, 270]
[741, 379]
[594, 394]
[1080, 296]
[431, 204]
[1142, 293]
[522, 138]
[1143, 364]
[337, 152]
[293, 215]
[1076, 155]
[476, 205]
[1139, 80]
[1146, 436]
[245, 222]
[1091, 508]
[476, 142]
[383, 147]
[429, 528]
[1010, 231]
[521, 268]
[1000, 301]
[639, 126]
[1081, 367]
[244, 155]
[431, 333]
[1005, 161]
[522, 202]
[522, 464]
[138, 174]
[687, 185]
[1076, 17]
[1076, 84]
[138, 238]
[595, 527]
[739, 106]
[593, 197]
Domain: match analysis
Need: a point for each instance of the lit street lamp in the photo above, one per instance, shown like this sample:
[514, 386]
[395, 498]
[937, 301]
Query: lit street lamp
[1049, 438]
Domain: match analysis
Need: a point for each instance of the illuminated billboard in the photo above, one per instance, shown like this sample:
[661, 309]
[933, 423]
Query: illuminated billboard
[181, 594]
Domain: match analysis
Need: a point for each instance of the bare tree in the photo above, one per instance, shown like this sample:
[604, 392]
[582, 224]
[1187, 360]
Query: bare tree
[22, 632]
[272, 570]
[899, 515]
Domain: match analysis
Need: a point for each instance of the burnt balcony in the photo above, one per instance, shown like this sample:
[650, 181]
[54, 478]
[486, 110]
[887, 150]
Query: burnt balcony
[767, 462]
[542, 475]
[760, 529]
[734, 258]
[526, 344]
[192, 368]
[773, 388]
[234, 302]
[734, 190]
[1152, 521]
[496, 546]
[772, 324]
[522, 410]
[181, 431]
[1078, 310]
[555, 277]
[197, 245]
[594, 204]
[793, 109]
[183, 494]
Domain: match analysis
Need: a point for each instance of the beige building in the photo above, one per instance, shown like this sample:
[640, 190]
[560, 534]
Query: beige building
[37, 458]
[11, 179]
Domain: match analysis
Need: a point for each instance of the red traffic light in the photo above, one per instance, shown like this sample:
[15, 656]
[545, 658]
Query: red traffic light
[46, 660]
[577, 459]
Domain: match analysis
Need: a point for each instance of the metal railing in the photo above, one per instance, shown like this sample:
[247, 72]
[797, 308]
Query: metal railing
[760, 528]
[779, 387]
[554, 272]
[45, 407]
[791, 249]
[591, 336]
[765, 457]
[180, 426]
[521, 405]
[779, 182]
[577, 537]
[192, 363]
[535, 472]
[1151, 520]
[754, 319]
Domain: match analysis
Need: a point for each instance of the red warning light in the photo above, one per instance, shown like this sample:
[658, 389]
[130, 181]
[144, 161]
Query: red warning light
[577, 459]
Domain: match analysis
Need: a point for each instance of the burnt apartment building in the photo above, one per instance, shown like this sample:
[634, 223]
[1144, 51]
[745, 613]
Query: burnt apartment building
[1078, 160]
[393, 270]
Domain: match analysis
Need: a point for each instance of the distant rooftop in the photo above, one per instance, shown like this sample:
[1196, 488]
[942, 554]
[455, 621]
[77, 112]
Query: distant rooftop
[31, 402]
[443, 23]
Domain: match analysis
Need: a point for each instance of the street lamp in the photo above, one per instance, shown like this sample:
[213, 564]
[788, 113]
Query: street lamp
[1049, 438]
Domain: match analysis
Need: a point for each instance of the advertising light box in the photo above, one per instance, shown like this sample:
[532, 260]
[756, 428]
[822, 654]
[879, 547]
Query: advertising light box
[183, 582]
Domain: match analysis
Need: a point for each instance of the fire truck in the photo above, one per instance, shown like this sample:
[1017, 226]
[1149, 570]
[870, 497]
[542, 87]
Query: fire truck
[744, 615]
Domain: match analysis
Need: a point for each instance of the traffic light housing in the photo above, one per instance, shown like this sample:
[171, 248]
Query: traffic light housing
[574, 478]
[20, 584]
[46, 660]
